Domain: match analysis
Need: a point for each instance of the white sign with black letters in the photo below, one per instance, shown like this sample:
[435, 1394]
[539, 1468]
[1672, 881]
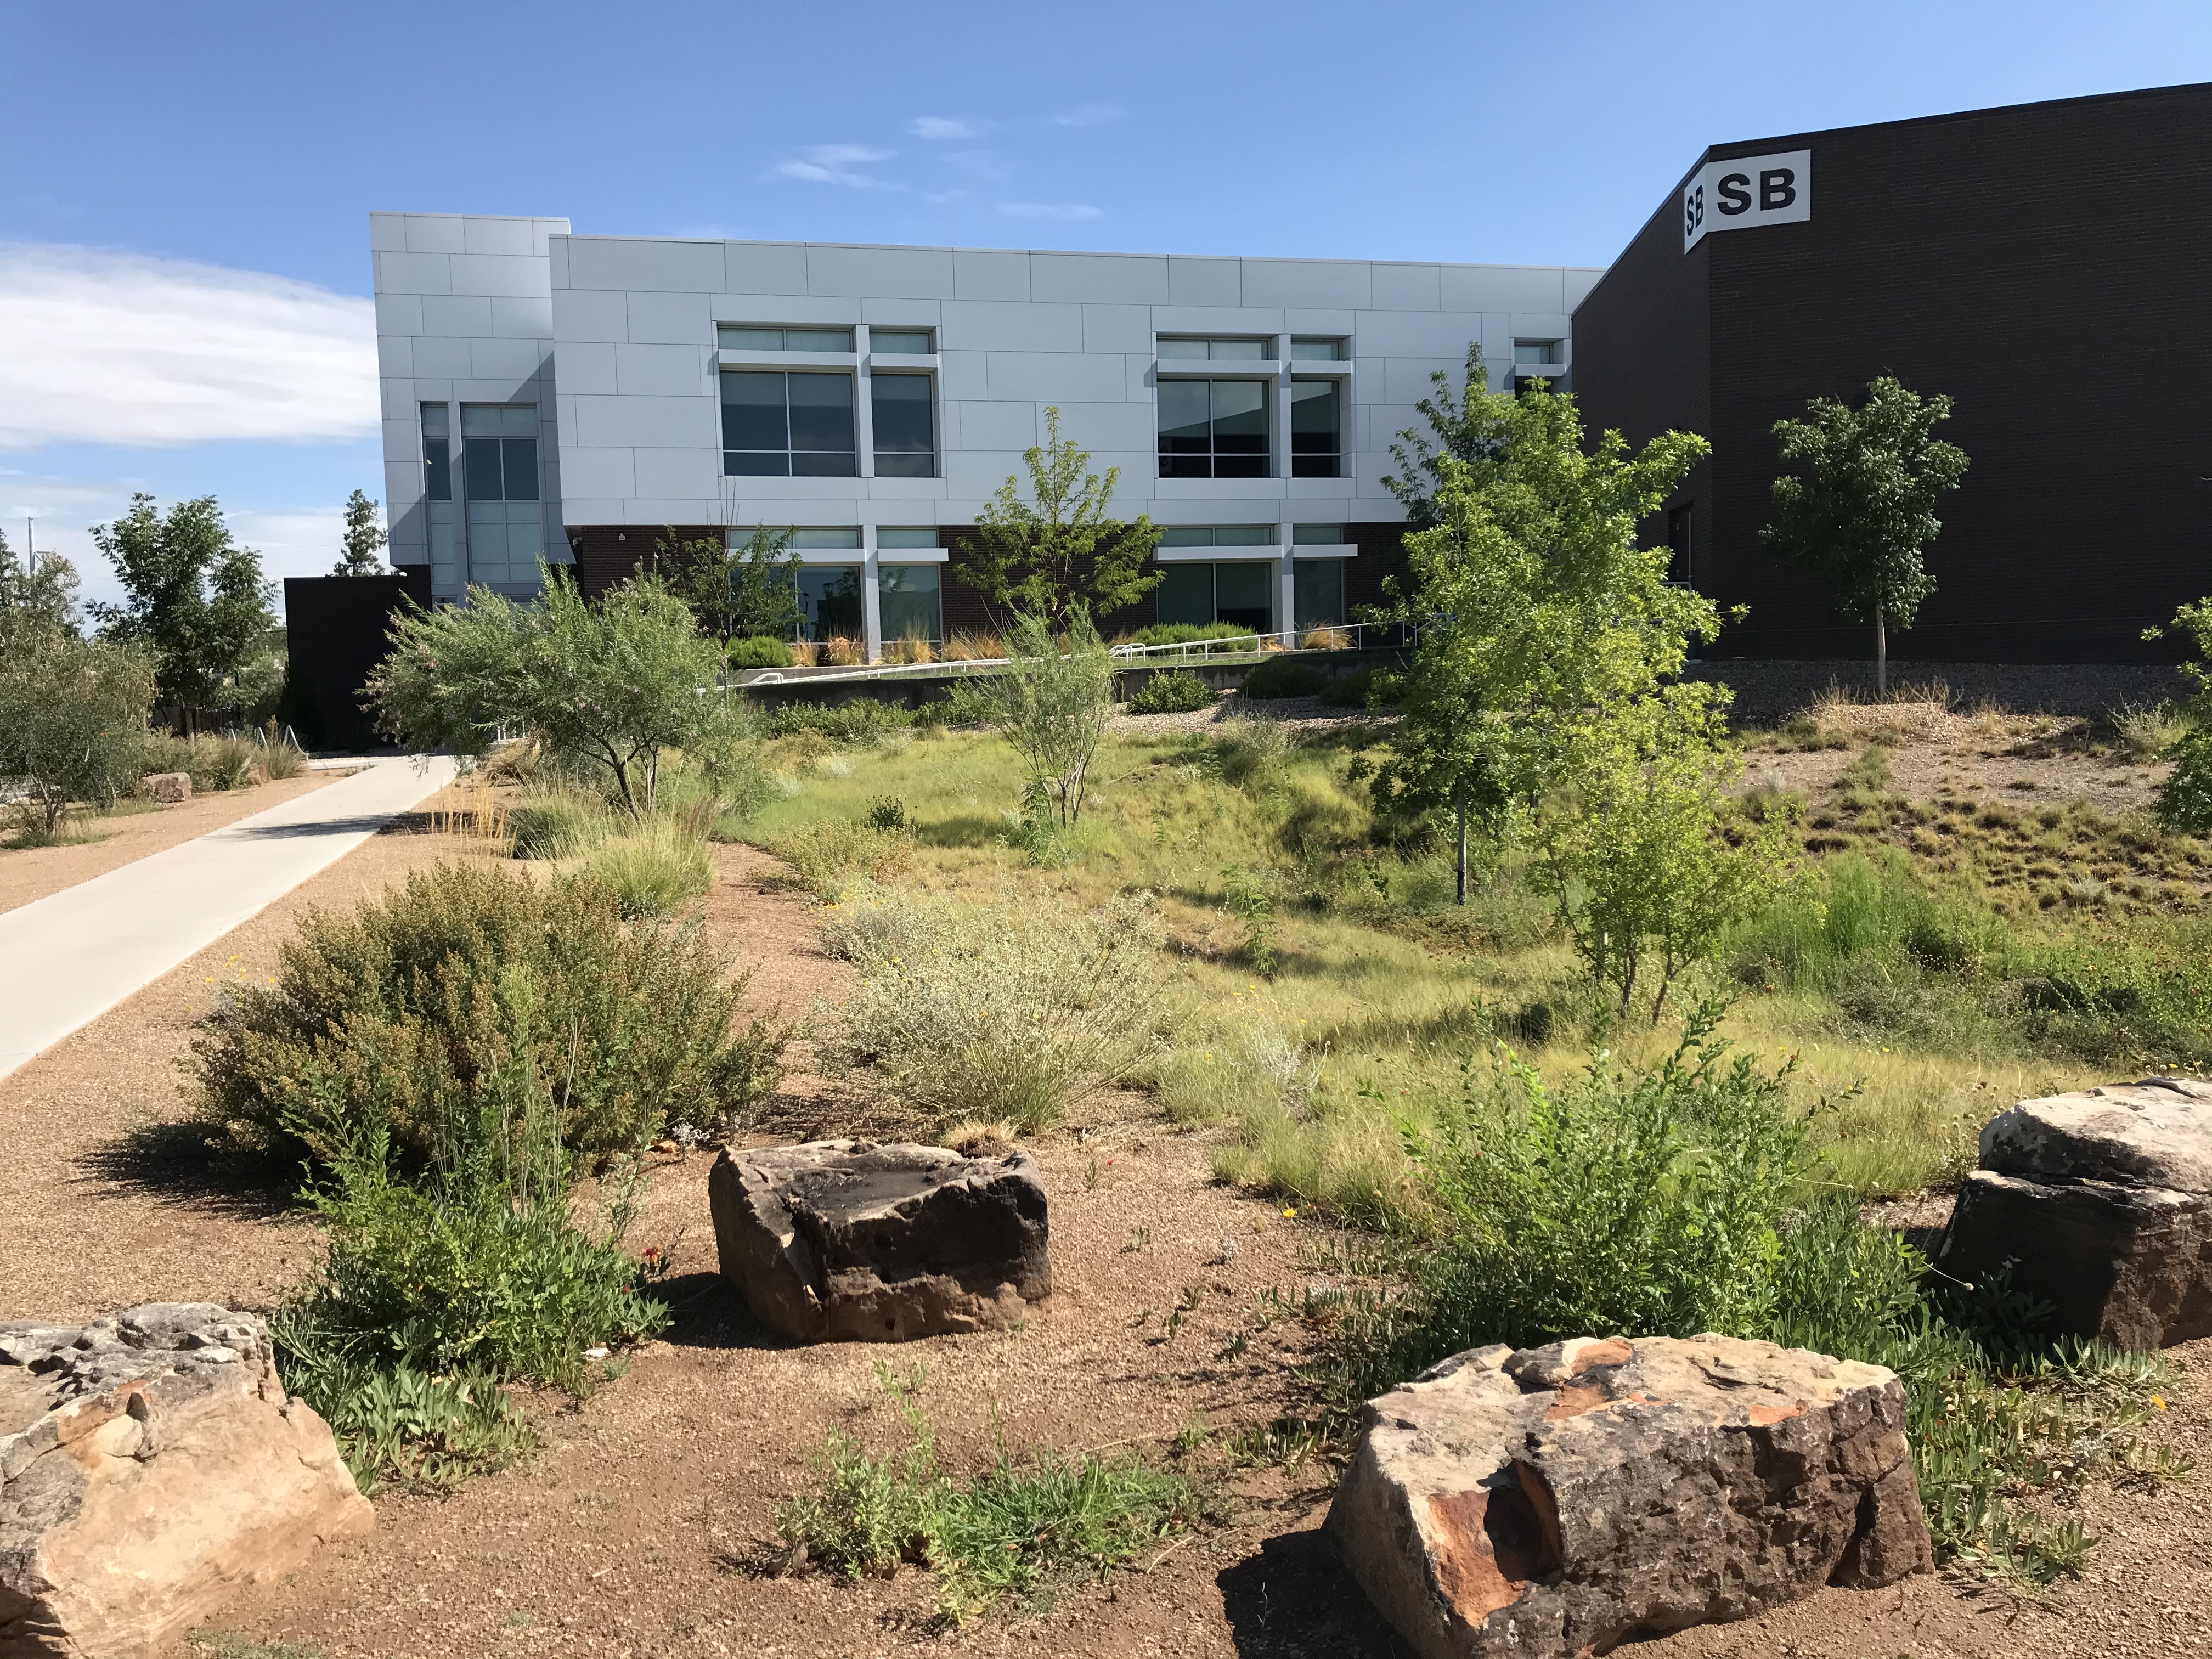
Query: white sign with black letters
[1747, 191]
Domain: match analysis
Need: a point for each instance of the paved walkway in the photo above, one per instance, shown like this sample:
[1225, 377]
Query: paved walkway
[68, 959]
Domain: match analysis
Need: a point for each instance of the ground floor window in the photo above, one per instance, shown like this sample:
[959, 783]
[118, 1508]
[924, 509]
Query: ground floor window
[1318, 591]
[912, 600]
[830, 601]
[1239, 593]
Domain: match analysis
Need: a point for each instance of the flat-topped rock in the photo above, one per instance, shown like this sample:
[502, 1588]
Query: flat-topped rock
[2100, 1203]
[854, 1240]
[149, 1464]
[1559, 1500]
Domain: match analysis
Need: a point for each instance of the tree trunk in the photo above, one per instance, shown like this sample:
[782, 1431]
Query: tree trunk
[1881, 654]
[1461, 870]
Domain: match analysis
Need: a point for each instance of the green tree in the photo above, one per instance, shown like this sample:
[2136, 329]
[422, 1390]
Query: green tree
[1052, 704]
[2184, 800]
[737, 593]
[194, 598]
[1462, 427]
[37, 590]
[362, 545]
[72, 718]
[1859, 510]
[607, 685]
[1540, 618]
[1063, 554]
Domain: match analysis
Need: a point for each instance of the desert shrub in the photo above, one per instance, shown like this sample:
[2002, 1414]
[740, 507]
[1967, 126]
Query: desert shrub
[1249, 751]
[982, 1010]
[278, 749]
[829, 857]
[401, 1425]
[854, 724]
[1194, 633]
[1174, 691]
[1024, 1527]
[887, 814]
[1246, 895]
[653, 870]
[1253, 1070]
[1051, 704]
[558, 826]
[398, 1013]
[760, 653]
[214, 764]
[1851, 907]
[1354, 690]
[1283, 677]
[2147, 734]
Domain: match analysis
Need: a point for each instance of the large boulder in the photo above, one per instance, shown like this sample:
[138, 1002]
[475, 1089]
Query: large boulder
[2100, 1204]
[169, 787]
[1559, 1500]
[849, 1240]
[149, 1463]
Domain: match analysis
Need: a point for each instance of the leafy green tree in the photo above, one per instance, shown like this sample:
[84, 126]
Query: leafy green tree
[1064, 554]
[362, 545]
[1052, 703]
[607, 685]
[737, 593]
[72, 718]
[1540, 619]
[1462, 427]
[194, 598]
[2184, 800]
[37, 590]
[1859, 510]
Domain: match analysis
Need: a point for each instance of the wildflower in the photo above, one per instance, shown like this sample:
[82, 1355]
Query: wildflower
[2157, 1403]
[1291, 1212]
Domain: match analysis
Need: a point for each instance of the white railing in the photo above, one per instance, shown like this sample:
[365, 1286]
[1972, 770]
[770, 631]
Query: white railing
[1344, 636]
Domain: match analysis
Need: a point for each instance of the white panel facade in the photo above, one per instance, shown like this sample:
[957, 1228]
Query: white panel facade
[628, 332]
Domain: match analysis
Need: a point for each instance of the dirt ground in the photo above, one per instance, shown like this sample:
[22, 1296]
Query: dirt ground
[33, 872]
[639, 1525]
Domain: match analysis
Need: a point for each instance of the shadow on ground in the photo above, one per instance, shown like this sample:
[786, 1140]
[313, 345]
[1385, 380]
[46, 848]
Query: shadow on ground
[181, 1163]
[706, 1311]
[1294, 1600]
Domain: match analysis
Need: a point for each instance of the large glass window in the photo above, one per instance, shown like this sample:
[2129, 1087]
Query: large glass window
[438, 496]
[732, 337]
[795, 425]
[905, 425]
[1213, 429]
[1240, 594]
[1317, 593]
[498, 461]
[829, 599]
[1316, 429]
[911, 601]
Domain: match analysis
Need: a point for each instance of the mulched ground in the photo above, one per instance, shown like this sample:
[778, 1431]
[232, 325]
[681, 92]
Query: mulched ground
[640, 1525]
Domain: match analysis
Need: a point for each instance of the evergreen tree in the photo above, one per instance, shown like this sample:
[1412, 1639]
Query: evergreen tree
[363, 542]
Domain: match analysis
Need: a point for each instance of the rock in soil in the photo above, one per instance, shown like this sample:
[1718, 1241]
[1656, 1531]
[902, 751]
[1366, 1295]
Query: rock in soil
[169, 787]
[849, 1240]
[1559, 1500]
[149, 1462]
[2100, 1203]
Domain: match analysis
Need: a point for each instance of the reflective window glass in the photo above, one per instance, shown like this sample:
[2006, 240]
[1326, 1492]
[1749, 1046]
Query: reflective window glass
[777, 425]
[826, 535]
[906, 430]
[829, 600]
[909, 601]
[1213, 429]
[1243, 595]
[1316, 429]
[1317, 535]
[1317, 591]
[923, 535]
[1317, 351]
[437, 455]
[735, 337]
[1185, 594]
[905, 342]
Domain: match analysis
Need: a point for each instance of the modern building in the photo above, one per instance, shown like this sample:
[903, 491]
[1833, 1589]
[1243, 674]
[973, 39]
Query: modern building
[2048, 266]
[572, 398]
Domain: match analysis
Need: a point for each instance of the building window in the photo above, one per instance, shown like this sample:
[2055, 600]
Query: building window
[901, 342]
[732, 337]
[1240, 593]
[1318, 535]
[1213, 429]
[438, 496]
[1316, 429]
[905, 425]
[1218, 535]
[830, 601]
[1217, 350]
[1317, 593]
[1318, 351]
[910, 602]
[498, 461]
[1537, 351]
[796, 425]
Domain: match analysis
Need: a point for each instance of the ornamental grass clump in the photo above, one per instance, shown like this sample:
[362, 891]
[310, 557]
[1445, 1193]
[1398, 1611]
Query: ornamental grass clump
[394, 1015]
[987, 1010]
[654, 871]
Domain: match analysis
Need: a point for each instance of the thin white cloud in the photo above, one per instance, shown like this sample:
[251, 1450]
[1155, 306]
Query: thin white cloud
[1089, 115]
[945, 127]
[106, 347]
[837, 164]
[1062, 211]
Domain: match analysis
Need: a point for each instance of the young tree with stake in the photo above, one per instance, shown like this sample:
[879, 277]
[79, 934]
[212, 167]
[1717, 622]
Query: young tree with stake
[1859, 509]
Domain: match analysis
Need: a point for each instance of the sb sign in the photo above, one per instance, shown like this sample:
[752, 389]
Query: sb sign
[1750, 189]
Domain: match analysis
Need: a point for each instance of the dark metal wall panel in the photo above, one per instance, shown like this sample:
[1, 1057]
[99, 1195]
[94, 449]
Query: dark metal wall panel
[335, 634]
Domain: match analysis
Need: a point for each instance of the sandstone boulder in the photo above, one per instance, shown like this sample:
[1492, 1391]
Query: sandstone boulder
[849, 1240]
[1559, 1500]
[2100, 1202]
[169, 787]
[149, 1463]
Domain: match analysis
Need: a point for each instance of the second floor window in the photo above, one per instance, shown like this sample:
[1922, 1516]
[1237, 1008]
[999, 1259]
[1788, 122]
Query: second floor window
[1316, 429]
[732, 337]
[905, 425]
[1213, 429]
[796, 425]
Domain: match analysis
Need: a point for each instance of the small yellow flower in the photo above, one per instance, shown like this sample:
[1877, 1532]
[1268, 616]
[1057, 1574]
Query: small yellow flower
[2157, 1402]
[1290, 1212]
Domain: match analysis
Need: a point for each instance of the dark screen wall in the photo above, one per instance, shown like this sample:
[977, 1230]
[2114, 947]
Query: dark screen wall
[334, 634]
[2050, 266]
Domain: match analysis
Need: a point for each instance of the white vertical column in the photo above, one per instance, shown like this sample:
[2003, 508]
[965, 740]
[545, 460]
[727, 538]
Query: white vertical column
[864, 406]
[1286, 603]
[872, 594]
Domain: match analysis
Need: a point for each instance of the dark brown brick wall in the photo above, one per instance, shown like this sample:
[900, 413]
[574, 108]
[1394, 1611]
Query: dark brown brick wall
[2044, 265]
[607, 554]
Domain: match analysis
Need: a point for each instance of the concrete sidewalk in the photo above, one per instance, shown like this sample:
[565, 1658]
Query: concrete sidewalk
[68, 959]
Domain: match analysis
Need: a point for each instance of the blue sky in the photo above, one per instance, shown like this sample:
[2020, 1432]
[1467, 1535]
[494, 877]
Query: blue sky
[184, 191]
